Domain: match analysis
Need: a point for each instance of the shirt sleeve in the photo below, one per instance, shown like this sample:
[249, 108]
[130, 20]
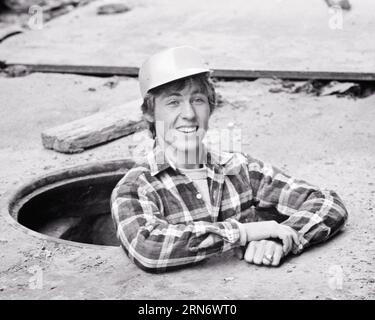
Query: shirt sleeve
[316, 214]
[155, 245]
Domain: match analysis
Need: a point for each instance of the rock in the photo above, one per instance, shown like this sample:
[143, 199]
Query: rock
[24, 5]
[287, 84]
[112, 83]
[17, 71]
[228, 279]
[275, 90]
[337, 87]
[112, 8]
[343, 4]
[309, 87]
[20, 5]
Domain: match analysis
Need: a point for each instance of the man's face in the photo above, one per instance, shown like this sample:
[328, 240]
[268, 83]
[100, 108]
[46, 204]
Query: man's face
[181, 118]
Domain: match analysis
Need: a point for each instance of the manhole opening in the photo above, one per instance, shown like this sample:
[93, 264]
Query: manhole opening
[75, 208]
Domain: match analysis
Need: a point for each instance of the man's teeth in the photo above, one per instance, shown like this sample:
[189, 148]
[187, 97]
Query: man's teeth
[187, 129]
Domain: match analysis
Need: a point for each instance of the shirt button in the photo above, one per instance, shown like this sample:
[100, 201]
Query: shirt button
[199, 196]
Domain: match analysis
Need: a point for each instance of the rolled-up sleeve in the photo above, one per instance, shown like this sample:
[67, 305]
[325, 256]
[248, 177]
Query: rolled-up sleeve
[316, 214]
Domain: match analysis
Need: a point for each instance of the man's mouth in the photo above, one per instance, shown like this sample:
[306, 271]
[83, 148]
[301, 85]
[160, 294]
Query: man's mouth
[186, 129]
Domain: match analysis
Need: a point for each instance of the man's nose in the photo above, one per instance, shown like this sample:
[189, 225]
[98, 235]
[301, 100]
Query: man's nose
[187, 110]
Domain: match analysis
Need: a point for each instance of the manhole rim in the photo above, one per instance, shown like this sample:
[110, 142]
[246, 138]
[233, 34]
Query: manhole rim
[21, 189]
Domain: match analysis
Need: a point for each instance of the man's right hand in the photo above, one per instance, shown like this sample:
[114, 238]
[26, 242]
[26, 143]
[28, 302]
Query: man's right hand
[271, 229]
[266, 252]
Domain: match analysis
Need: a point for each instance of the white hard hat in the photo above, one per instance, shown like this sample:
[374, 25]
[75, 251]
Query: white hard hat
[169, 65]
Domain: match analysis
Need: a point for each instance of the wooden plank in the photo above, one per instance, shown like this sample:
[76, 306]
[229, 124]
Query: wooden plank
[78, 135]
[294, 75]
[82, 69]
[218, 73]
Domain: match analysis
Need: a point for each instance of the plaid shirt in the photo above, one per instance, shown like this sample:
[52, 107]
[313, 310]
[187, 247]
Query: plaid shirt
[162, 221]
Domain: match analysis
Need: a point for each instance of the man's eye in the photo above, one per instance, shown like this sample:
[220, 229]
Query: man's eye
[198, 100]
[173, 103]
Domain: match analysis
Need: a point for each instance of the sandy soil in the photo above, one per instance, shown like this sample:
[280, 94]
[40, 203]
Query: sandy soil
[237, 34]
[328, 141]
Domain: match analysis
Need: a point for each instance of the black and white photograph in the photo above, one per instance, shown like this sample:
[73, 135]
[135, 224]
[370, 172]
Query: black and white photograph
[187, 150]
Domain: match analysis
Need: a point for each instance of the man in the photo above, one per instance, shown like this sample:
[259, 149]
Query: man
[185, 203]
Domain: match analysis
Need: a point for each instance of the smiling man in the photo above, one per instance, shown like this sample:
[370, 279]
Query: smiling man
[185, 203]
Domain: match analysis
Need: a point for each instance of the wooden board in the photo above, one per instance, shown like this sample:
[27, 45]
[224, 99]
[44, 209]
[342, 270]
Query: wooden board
[96, 129]
[274, 35]
[218, 73]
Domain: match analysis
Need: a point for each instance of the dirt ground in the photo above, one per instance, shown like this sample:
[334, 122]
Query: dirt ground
[326, 140]
[237, 34]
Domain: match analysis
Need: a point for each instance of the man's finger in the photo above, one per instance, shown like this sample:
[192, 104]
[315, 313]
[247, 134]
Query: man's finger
[259, 252]
[295, 237]
[277, 255]
[249, 254]
[268, 252]
[285, 240]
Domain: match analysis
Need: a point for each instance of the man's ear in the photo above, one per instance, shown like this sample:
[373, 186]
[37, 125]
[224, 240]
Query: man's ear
[149, 117]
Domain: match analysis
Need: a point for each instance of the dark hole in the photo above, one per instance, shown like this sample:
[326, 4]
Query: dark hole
[78, 211]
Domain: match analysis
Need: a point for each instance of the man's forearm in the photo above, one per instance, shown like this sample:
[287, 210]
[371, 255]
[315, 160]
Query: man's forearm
[255, 231]
[156, 247]
[320, 217]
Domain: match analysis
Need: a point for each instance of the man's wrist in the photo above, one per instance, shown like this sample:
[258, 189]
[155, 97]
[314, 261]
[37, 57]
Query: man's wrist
[243, 234]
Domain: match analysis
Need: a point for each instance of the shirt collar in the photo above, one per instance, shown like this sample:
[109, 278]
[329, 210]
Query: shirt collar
[159, 162]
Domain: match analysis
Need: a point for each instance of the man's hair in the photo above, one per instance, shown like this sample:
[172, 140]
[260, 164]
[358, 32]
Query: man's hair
[202, 81]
